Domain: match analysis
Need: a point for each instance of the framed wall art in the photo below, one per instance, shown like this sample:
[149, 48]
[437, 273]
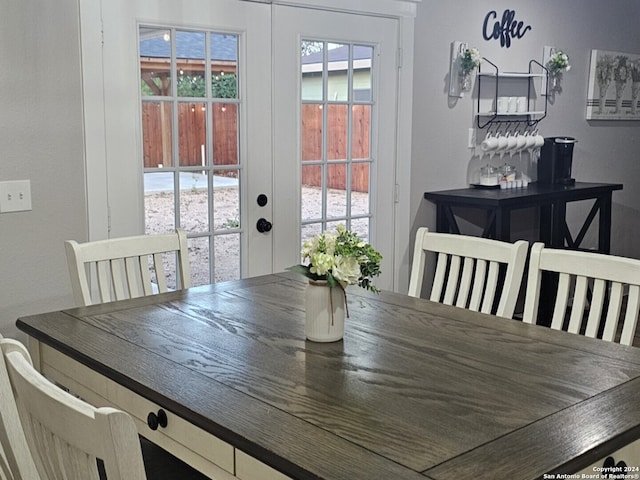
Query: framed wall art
[614, 86]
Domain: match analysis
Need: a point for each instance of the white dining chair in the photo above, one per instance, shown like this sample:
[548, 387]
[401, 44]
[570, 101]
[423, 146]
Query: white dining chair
[127, 267]
[16, 462]
[65, 435]
[592, 289]
[131, 267]
[470, 272]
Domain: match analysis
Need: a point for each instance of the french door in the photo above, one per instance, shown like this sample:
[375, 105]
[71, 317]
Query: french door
[250, 125]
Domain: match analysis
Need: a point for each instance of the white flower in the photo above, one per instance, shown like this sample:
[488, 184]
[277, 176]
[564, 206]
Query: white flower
[340, 258]
[558, 62]
[346, 270]
[321, 263]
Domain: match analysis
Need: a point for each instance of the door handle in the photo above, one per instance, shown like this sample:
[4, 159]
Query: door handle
[263, 225]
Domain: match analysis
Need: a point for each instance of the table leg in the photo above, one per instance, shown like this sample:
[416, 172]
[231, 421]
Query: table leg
[604, 227]
[442, 225]
[503, 224]
[545, 224]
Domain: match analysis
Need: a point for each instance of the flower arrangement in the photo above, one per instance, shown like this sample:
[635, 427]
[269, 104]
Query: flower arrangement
[558, 63]
[621, 71]
[634, 68]
[469, 60]
[340, 258]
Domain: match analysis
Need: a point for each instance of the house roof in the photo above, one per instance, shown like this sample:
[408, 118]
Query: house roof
[189, 45]
[339, 54]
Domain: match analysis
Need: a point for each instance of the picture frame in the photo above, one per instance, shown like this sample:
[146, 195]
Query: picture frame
[614, 86]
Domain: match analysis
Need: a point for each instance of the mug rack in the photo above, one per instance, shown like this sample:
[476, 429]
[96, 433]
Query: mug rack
[510, 83]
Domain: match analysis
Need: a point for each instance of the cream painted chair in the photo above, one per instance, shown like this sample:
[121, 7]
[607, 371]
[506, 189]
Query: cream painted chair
[16, 462]
[588, 284]
[66, 435]
[127, 267]
[468, 271]
[132, 267]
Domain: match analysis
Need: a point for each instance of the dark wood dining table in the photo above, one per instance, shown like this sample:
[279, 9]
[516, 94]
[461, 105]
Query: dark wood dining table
[415, 390]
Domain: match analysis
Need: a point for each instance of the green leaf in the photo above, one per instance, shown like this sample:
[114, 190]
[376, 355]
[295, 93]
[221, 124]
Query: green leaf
[303, 269]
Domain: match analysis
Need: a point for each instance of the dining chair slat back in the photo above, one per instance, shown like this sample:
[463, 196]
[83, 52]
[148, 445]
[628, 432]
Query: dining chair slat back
[16, 462]
[470, 272]
[592, 290]
[67, 436]
[128, 267]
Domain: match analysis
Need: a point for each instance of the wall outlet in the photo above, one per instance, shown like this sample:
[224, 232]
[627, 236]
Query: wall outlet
[15, 196]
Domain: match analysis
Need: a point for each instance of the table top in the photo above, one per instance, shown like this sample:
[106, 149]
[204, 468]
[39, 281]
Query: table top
[534, 193]
[415, 390]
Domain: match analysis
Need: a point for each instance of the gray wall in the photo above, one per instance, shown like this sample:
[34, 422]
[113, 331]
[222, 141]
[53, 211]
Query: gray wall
[606, 152]
[41, 126]
[41, 139]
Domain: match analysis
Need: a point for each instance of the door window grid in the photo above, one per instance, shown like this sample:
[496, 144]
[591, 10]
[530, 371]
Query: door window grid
[355, 215]
[198, 177]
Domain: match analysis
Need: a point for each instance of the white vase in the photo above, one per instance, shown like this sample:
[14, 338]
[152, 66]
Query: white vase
[324, 312]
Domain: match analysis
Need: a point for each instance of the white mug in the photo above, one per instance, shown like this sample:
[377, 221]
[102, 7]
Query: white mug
[489, 143]
[502, 104]
[512, 142]
[522, 104]
[522, 142]
[539, 140]
[531, 140]
[502, 143]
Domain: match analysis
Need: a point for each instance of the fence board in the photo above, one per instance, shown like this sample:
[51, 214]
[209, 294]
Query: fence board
[157, 125]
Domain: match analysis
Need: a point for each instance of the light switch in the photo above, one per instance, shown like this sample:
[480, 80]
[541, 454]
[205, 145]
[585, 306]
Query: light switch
[15, 196]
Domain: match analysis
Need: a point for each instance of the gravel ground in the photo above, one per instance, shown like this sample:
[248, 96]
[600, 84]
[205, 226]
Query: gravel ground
[159, 209]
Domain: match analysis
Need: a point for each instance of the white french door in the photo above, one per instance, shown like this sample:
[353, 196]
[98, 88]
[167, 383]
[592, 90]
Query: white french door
[165, 149]
[154, 115]
[335, 117]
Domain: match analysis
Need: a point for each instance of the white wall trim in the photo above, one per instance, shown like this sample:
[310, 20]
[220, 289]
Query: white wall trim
[393, 8]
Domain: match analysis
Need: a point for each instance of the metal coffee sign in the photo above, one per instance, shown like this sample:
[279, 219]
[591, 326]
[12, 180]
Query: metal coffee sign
[505, 30]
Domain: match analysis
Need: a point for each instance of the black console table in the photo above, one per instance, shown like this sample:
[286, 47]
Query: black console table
[551, 200]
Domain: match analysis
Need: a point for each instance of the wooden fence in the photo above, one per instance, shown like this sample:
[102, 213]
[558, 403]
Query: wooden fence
[157, 149]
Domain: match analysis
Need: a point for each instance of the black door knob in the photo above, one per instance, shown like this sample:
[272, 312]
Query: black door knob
[155, 420]
[263, 225]
[262, 200]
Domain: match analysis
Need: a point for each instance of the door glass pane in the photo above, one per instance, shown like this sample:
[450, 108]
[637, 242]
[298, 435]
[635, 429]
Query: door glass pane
[196, 123]
[312, 192]
[155, 61]
[190, 55]
[157, 125]
[227, 259]
[192, 118]
[337, 191]
[312, 58]
[360, 189]
[336, 137]
[360, 131]
[311, 131]
[361, 227]
[199, 260]
[362, 62]
[225, 134]
[224, 64]
[226, 203]
[338, 73]
[337, 121]
[194, 202]
[159, 202]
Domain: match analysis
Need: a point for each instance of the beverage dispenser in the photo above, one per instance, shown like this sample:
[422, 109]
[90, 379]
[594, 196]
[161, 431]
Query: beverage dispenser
[554, 164]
